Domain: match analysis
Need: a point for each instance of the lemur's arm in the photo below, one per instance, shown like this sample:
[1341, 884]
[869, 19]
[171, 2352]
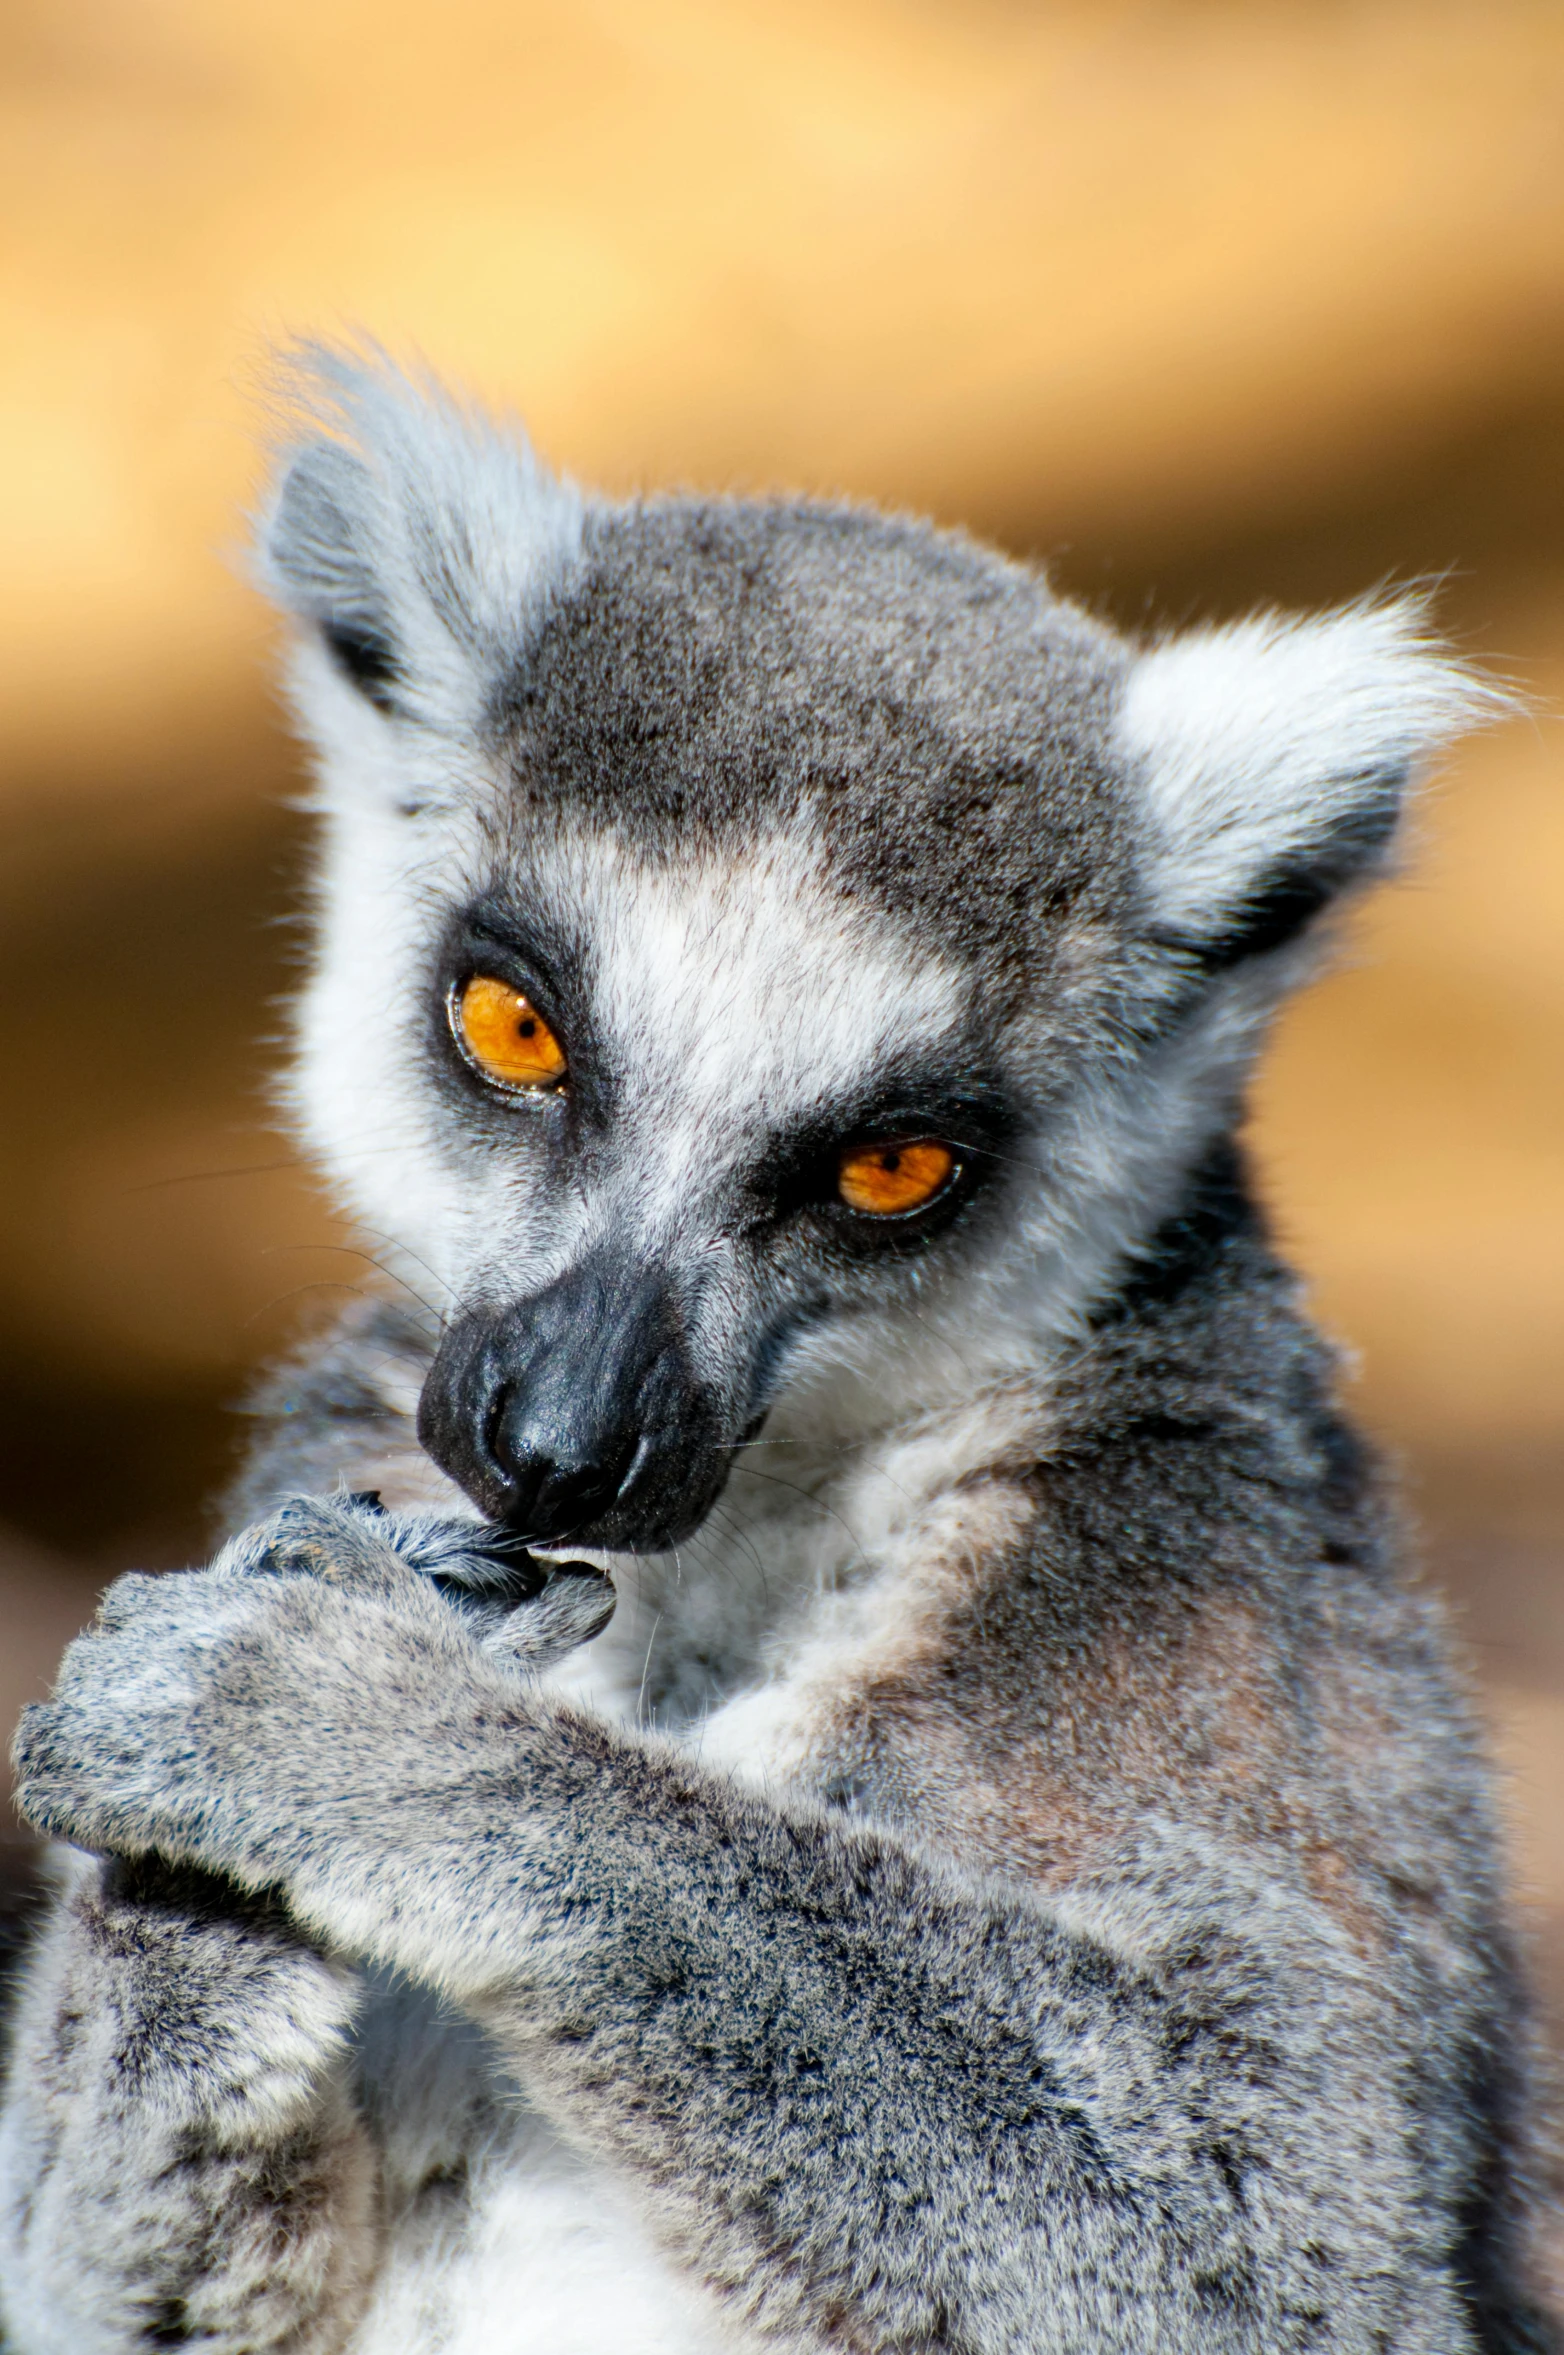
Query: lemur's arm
[180, 2163]
[181, 2158]
[869, 2105]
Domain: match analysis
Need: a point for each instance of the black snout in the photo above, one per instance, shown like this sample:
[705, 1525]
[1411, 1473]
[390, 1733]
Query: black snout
[576, 1415]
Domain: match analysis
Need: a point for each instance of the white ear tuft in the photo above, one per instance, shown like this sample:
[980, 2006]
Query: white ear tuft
[417, 537]
[1272, 758]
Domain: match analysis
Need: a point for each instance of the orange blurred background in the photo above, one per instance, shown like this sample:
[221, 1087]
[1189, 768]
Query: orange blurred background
[1206, 303]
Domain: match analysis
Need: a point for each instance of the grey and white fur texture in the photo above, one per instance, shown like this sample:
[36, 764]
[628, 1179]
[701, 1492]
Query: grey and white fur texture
[1018, 1871]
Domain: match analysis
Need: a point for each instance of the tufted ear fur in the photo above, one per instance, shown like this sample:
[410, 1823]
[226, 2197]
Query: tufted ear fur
[1272, 760]
[416, 541]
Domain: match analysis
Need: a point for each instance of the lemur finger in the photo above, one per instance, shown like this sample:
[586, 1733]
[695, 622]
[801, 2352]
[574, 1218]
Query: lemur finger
[344, 1541]
[353, 1540]
[575, 1605]
[525, 1610]
[475, 1559]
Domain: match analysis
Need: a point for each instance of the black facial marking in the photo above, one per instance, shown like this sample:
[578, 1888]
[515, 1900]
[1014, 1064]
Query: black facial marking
[524, 946]
[799, 1176]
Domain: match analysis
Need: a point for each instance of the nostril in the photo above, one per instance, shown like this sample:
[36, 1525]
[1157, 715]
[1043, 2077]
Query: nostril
[493, 1436]
[460, 1409]
[564, 1488]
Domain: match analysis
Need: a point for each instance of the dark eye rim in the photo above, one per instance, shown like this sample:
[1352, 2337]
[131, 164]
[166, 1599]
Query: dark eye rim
[942, 1193]
[512, 1091]
[798, 1178]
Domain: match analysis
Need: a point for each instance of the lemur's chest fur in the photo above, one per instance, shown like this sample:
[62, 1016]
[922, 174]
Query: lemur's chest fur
[498, 2240]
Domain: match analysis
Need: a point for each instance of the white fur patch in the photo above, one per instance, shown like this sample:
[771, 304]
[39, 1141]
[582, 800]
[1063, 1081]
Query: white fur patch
[737, 997]
[550, 2257]
[1257, 741]
[919, 1521]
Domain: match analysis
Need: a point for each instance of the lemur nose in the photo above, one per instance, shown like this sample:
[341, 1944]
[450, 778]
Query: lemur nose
[555, 1488]
[575, 1415]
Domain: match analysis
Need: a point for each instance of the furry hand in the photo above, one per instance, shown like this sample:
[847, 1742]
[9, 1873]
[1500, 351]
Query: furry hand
[245, 1717]
[524, 1608]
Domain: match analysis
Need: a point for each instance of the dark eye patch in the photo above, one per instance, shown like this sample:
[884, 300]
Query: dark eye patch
[799, 1176]
[526, 949]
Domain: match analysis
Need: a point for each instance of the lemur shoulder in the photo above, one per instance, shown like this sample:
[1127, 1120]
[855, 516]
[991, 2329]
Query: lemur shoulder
[1017, 1869]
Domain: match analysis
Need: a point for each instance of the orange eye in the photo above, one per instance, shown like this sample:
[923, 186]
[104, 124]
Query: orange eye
[506, 1036]
[887, 1179]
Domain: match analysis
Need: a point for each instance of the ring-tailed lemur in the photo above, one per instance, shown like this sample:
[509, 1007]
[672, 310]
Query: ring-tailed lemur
[1018, 1871]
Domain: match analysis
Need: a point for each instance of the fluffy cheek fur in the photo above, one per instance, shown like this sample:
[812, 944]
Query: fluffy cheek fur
[361, 1091]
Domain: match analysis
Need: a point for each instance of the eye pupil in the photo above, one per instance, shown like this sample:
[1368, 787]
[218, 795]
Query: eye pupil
[527, 1027]
[890, 1160]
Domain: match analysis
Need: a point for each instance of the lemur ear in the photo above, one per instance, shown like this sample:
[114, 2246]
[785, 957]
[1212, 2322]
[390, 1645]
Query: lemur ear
[416, 540]
[325, 549]
[1272, 760]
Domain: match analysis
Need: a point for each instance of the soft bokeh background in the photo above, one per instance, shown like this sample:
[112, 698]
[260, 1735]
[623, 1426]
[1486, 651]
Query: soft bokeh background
[1208, 304]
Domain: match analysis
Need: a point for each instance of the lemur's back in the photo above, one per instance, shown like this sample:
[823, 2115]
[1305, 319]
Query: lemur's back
[928, 1811]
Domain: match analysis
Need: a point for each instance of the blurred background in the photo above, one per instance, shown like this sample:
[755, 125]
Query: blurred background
[1206, 304]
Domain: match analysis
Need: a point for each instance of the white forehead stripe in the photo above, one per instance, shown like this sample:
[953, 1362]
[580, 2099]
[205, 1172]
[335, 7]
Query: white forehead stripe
[749, 991]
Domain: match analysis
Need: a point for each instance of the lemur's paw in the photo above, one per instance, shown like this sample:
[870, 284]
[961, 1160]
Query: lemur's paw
[525, 1608]
[233, 1718]
[216, 1718]
[346, 1540]
[575, 1603]
[100, 1763]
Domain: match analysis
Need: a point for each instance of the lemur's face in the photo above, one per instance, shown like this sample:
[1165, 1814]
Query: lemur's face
[774, 962]
[706, 1121]
[716, 1050]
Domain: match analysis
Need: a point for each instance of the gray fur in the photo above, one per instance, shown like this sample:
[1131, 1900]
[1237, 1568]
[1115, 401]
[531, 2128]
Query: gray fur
[1017, 1870]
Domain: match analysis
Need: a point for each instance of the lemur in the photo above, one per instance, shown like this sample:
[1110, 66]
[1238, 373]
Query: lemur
[1017, 1870]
